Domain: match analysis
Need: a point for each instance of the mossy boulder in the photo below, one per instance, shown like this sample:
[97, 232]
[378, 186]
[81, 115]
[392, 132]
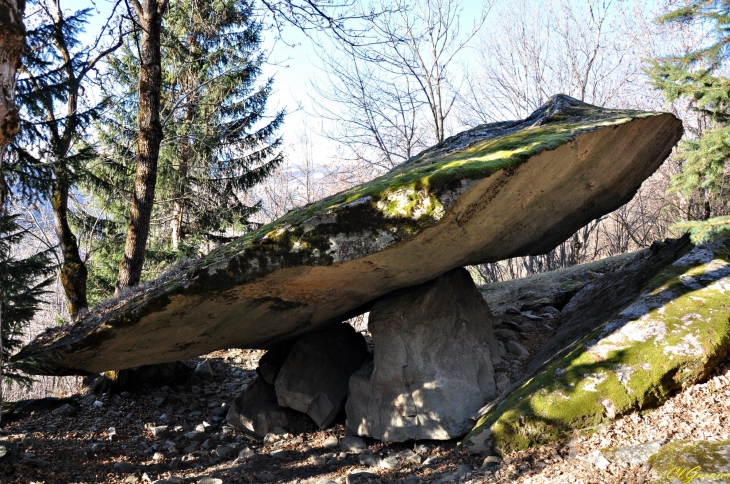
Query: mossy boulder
[496, 191]
[685, 461]
[667, 339]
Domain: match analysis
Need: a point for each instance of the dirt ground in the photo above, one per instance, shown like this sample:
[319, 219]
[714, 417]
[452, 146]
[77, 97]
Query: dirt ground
[108, 431]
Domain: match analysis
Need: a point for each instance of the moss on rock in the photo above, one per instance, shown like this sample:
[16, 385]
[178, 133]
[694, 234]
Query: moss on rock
[670, 337]
[684, 461]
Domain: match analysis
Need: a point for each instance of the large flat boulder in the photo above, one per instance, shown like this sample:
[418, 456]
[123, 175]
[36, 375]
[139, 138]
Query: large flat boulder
[496, 191]
[668, 338]
[431, 370]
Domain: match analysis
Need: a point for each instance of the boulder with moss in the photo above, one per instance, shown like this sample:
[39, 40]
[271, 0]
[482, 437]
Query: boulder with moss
[684, 461]
[670, 337]
[496, 191]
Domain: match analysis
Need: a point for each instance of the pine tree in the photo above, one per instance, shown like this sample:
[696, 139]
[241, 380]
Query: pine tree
[50, 155]
[218, 140]
[23, 282]
[697, 77]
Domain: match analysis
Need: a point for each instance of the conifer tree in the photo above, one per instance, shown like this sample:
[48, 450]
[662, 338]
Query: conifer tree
[49, 156]
[23, 282]
[697, 77]
[218, 140]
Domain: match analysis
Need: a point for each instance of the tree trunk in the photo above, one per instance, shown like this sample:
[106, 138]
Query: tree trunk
[12, 43]
[73, 270]
[149, 17]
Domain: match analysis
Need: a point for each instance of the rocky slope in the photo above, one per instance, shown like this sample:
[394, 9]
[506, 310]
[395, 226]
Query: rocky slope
[59, 447]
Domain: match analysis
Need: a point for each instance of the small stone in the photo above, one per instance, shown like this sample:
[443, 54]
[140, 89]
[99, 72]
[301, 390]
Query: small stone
[353, 444]
[331, 442]
[464, 470]
[96, 446]
[325, 481]
[158, 401]
[112, 434]
[158, 457]
[125, 394]
[196, 436]
[597, 459]
[513, 311]
[98, 404]
[411, 479]
[492, 461]
[409, 457]
[65, 410]
[246, 453]
[203, 370]
[210, 480]
[279, 454]
[318, 460]
[272, 438]
[505, 334]
[123, 467]
[175, 480]
[389, 462]
[368, 459]
[360, 476]
[265, 477]
[160, 432]
[224, 452]
[518, 350]
[550, 310]
[421, 449]
[530, 316]
[432, 461]
[175, 464]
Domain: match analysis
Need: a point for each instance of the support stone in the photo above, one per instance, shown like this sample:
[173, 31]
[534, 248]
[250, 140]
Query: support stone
[432, 370]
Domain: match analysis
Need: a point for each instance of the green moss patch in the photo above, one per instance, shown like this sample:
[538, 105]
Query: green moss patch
[692, 461]
[669, 338]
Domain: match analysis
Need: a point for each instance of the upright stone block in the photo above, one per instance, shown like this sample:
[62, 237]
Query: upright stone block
[432, 370]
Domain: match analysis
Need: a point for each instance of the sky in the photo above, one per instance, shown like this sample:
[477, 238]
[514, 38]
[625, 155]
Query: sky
[292, 62]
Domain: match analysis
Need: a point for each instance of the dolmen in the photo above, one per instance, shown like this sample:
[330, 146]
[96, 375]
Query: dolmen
[394, 246]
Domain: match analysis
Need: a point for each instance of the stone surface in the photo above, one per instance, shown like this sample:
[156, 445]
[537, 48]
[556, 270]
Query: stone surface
[314, 377]
[590, 307]
[692, 461]
[255, 411]
[432, 369]
[203, 370]
[497, 191]
[353, 444]
[670, 337]
[634, 454]
[273, 360]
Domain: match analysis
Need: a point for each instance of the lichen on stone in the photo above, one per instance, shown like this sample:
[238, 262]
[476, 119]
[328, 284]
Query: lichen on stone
[632, 362]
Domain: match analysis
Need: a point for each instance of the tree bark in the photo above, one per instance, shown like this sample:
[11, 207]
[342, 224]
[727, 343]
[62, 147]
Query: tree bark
[73, 272]
[12, 42]
[149, 17]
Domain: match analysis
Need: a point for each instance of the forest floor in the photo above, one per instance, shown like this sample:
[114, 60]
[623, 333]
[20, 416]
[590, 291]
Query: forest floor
[81, 448]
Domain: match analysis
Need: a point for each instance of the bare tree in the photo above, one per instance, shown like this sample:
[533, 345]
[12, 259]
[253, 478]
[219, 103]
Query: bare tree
[588, 50]
[389, 99]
